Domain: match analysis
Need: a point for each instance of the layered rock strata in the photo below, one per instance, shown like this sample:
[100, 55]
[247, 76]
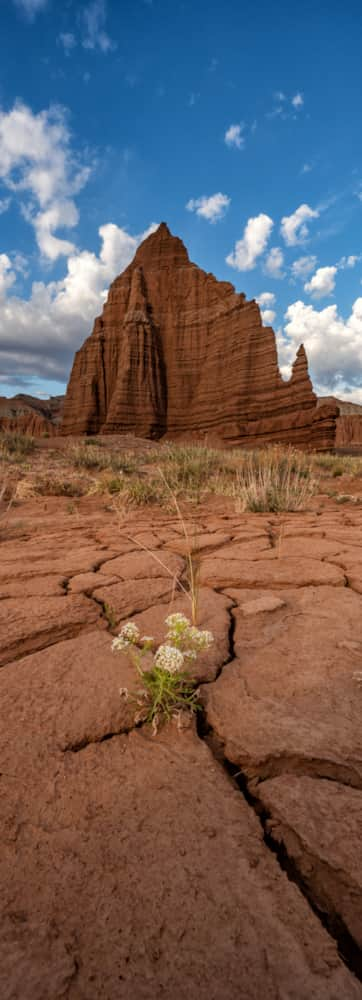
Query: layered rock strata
[29, 415]
[177, 352]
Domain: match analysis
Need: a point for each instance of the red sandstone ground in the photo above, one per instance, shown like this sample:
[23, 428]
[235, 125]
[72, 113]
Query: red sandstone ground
[224, 864]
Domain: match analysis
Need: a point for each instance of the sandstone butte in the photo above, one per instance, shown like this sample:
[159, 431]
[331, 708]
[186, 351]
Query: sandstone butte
[178, 353]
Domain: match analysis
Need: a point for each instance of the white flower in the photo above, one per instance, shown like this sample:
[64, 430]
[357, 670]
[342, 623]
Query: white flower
[130, 632]
[200, 638]
[128, 636]
[170, 659]
[119, 643]
[177, 619]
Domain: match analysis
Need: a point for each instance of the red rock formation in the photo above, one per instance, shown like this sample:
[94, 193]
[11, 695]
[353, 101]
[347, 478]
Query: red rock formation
[30, 423]
[178, 352]
[349, 431]
[29, 415]
[349, 422]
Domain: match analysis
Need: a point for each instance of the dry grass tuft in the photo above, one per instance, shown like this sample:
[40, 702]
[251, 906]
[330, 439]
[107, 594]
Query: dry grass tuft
[274, 480]
[14, 447]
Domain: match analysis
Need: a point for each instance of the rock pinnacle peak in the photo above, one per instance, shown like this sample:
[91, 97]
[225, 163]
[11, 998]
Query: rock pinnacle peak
[176, 352]
[162, 243]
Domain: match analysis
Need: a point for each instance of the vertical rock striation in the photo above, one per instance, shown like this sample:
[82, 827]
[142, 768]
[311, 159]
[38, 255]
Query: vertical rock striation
[178, 352]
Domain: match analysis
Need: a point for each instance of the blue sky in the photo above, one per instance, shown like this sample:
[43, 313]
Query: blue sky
[237, 123]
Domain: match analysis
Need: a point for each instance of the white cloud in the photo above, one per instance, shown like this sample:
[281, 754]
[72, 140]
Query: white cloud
[36, 159]
[294, 228]
[303, 266]
[322, 283]
[61, 214]
[39, 336]
[31, 7]
[266, 299]
[68, 41]
[252, 243]
[333, 345]
[93, 21]
[211, 208]
[298, 101]
[349, 262]
[7, 275]
[274, 263]
[268, 316]
[234, 136]
[306, 168]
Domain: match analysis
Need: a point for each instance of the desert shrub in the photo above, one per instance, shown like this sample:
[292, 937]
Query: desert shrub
[141, 492]
[338, 465]
[188, 469]
[92, 441]
[56, 486]
[274, 480]
[168, 688]
[15, 446]
[114, 485]
[91, 456]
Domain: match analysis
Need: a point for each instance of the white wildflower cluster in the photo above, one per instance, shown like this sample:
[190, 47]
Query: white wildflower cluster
[177, 620]
[200, 638]
[128, 636]
[169, 658]
[183, 643]
[187, 637]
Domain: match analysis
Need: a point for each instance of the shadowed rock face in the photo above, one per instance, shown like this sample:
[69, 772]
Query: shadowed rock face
[178, 352]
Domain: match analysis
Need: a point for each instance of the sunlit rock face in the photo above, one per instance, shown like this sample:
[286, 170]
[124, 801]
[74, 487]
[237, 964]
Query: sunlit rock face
[177, 352]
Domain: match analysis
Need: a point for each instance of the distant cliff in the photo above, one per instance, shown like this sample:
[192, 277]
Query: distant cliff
[30, 415]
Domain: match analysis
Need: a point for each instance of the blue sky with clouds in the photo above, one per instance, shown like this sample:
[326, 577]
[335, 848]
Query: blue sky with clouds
[237, 123]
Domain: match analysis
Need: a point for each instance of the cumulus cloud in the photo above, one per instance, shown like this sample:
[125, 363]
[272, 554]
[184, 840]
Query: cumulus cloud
[31, 7]
[234, 136]
[93, 19]
[268, 316]
[333, 345]
[38, 336]
[36, 159]
[303, 266]
[322, 283]
[211, 208]
[266, 299]
[294, 227]
[274, 263]
[252, 244]
[297, 101]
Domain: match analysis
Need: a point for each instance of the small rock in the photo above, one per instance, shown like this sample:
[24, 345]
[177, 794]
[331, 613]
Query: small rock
[262, 604]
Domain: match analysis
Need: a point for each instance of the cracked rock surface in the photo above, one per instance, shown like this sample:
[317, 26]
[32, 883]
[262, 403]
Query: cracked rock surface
[136, 867]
